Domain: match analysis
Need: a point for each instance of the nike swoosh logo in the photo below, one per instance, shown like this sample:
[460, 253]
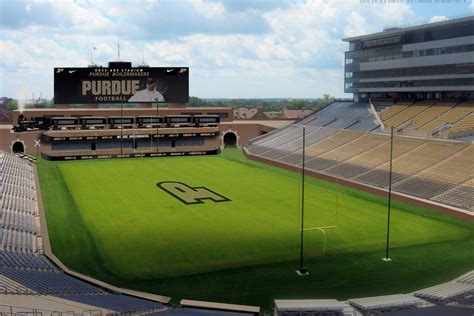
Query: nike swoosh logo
[169, 70]
[71, 71]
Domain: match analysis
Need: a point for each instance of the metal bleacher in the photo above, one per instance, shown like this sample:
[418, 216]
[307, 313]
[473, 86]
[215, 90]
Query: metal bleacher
[437, 170]
[407, 113]
[350, 115]
[23, 268]
[18, 215]
[458, 292]
[451, 298]
[431, 119]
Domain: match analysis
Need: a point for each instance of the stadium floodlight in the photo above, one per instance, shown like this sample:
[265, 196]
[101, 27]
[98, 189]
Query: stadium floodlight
[302, 270]
[387, 258]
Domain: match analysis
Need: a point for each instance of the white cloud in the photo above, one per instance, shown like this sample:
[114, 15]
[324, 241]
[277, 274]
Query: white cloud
[36, 53]
[208, 9]
[168, 53]
[438, 18]
[299, 52]
[83, 19]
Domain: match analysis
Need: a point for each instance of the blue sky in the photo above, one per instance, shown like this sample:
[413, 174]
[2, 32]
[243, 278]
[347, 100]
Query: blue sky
[234, 48]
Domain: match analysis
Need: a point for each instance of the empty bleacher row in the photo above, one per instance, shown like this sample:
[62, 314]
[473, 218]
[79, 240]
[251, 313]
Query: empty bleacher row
[406, 113]
[26, 157]
[422, 120]
[459, 292]
[441, 171]
[430, 119]
[119, 303]
[267, 143]
[50, 283]
[350, 115]
[19, 243]
[23, 268]
[464, 127]
[17, 240]
[17, 208]
[293, 143]
[459, 196]
[20, 221]
[449, 298]
[59, 284]
[10, 259]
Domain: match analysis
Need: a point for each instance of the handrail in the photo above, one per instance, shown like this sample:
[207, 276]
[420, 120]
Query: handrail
[407, 25]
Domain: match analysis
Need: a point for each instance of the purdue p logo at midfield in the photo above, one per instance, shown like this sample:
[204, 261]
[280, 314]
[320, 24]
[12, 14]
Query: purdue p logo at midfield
[190, 195]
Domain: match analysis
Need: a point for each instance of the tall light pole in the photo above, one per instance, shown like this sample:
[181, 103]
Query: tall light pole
[387, 258]
[302, 270]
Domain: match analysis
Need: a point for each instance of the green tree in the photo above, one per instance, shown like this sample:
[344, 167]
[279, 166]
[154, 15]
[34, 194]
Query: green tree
[13, 105]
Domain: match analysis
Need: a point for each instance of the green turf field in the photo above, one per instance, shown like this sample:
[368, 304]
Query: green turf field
[108, 219]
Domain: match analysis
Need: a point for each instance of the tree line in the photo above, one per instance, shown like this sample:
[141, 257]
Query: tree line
[268, 105]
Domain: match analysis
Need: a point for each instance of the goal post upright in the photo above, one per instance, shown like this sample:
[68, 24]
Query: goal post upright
[302, 270]
[387, 258]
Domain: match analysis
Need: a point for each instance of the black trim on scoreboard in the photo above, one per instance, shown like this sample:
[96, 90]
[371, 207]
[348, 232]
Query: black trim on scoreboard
[121, 85]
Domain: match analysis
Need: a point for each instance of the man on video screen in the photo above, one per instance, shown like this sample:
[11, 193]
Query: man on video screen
[149, 94]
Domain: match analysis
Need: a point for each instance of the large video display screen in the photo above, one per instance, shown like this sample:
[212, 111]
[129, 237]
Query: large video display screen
[121, 85]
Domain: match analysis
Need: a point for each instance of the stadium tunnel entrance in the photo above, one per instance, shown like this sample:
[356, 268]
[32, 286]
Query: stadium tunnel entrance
[18, 147]
[230, 140]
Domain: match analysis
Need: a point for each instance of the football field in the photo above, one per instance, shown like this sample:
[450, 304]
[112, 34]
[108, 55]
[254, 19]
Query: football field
[110, 219]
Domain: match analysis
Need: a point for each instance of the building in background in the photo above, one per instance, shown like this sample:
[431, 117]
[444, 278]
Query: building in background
[430, 61]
